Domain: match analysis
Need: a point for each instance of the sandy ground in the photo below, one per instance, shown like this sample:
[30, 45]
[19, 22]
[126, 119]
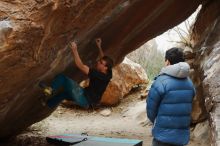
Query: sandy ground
[127, 120]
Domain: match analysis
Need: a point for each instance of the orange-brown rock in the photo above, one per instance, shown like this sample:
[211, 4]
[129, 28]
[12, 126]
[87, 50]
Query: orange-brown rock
[34, 35]
[126, 76]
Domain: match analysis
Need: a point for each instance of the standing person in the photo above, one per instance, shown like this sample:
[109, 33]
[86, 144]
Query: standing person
[99, 77]
[169, 102]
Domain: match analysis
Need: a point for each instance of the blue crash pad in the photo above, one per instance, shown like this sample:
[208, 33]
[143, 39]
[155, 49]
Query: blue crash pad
[85, 140]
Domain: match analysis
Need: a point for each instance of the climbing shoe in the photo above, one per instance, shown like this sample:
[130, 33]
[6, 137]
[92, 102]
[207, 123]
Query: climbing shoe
[47, 90]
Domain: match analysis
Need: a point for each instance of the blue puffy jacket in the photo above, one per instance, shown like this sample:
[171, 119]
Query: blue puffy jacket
[169, 104]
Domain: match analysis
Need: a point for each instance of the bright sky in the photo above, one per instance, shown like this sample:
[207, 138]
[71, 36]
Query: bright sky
[163, 41]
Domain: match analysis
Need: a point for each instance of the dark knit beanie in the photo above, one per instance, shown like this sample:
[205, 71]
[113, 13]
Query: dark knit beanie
[174, 55]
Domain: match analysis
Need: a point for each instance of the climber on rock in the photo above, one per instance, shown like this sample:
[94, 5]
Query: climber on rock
[99, 77]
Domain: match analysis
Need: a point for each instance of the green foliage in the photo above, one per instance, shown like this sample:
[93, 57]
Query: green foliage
[151, 59]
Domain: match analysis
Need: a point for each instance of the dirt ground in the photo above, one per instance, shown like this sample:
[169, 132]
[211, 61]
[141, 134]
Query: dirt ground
[127, 120]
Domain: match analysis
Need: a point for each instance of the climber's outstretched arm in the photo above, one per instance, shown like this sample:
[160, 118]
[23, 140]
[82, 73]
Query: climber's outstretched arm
[84, 68]
[99, 45]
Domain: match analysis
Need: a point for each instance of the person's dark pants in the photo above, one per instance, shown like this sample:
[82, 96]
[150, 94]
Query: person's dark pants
[158, 143]
[70, 91]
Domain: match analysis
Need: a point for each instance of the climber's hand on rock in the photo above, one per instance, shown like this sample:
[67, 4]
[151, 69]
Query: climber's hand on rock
[73, 46]
[98, 42]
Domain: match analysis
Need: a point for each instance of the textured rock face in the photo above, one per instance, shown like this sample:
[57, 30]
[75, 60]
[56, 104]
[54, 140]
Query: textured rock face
[207, 68]
[201, 133]
[125, 76]
[34, 35]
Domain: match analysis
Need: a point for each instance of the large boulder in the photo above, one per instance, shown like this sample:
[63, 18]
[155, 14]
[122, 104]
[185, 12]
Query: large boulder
[206, 38]
[34, 35]
[126, 76]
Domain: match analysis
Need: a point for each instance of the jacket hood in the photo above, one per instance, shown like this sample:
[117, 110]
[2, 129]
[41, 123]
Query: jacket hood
[179, 70]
